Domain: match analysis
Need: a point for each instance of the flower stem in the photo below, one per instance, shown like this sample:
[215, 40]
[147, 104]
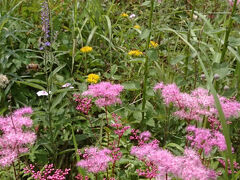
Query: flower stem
[229, 28]
[146, 65]
[73, 34]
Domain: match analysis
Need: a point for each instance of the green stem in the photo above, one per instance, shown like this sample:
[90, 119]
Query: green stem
[229, 28]
[15, 173]
[189, 38]
[73, 34]
[80, 170]
[146, 64]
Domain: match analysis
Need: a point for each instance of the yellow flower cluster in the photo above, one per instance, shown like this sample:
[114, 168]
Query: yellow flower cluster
[86, 49]
[153, 44]
[124, 15]
[135, 53]
[93, 78]
[137, 27]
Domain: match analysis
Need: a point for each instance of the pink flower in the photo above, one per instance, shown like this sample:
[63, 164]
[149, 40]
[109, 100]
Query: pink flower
[84, 103]
[14, 139]
[197, 104]
[105, 92]
[205, 139]
[95, 160]
[49, 172]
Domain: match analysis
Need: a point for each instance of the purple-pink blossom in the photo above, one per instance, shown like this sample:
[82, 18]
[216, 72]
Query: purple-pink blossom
[197, 104]
[48, 173]
[206, 139]
[84, 104]
[106, 94]
[160, 162]
[95, 160]
[119, 128]
[14, 139]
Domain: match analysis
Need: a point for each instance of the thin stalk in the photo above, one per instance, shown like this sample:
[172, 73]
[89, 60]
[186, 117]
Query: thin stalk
[189, 38]
[101, 132]
[80, 170]
[146, 64]
[85, 64]
[73, 34]
[15, 173]
[229, 28]
[237, 72]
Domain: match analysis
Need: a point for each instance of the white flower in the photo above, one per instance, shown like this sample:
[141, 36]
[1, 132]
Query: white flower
[43, 93]
[132, 16]
[66, 85]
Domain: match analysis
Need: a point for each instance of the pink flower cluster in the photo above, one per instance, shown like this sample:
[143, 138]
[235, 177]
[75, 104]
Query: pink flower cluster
[236, 166]
[48, 173]
[84, 103]
[120, 129]
[160, 162]
[198, 104]
[95, 160]
[14, 139]
[80, 177]
[206, 139]
[105, 92]
[142, 137]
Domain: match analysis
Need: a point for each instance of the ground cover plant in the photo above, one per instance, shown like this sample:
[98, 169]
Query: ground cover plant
[115, 89]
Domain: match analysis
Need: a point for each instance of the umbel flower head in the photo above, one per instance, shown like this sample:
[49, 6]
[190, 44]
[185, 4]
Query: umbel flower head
[105, 92]
[86, 49]
[93, 78]
[135, 53]
[14, 139]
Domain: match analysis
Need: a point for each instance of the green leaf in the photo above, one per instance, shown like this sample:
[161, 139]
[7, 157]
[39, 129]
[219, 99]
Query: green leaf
[37, 86]
[150, 122]
[174, 145]
[145, 34]
[91, 35]
[178, 59]
[56, 71]
[57, 100]
[131, 86]
[137, 60]
[152, 54]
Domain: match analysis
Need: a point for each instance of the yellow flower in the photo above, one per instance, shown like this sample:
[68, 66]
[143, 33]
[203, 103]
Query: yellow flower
[86, 49]
[135, 53]
[137, 27]
[124, 15]
[93, 78]
[153, 44]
